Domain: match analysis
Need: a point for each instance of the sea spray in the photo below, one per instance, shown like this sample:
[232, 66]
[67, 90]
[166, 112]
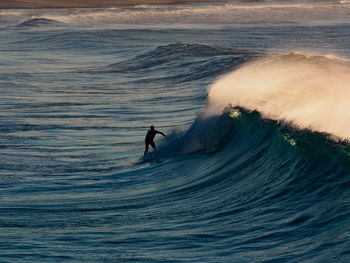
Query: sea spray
[310, 91]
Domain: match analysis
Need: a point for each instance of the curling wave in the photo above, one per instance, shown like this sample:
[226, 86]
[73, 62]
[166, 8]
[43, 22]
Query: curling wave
[265, 176]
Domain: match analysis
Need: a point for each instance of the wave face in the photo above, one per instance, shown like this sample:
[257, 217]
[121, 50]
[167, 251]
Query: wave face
[263, 184]
[249, 170]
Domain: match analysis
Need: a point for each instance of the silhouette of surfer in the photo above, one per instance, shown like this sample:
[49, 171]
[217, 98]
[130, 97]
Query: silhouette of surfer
[149, 138]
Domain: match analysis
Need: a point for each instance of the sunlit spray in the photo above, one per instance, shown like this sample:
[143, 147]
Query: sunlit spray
[310, 91]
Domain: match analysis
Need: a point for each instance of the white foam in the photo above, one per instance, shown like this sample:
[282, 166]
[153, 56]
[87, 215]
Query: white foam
[310, 91]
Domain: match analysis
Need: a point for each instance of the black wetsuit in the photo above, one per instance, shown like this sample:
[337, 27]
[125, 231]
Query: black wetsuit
[149, 139]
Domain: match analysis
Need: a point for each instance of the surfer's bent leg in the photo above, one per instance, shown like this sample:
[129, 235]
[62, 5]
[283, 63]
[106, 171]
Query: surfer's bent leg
[146, 148]
[153, 144]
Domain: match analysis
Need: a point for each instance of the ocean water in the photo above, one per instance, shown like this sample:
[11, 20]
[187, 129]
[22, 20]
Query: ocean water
[253, 97]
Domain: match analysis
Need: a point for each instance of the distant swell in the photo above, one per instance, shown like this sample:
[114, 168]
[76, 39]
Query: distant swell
[37, 22]
[204, 61]
[249, 12]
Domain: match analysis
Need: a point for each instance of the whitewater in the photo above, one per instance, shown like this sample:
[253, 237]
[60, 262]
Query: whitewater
[254, 100]
[310, 91]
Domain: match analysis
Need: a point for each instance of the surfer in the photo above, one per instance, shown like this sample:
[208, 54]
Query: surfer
[149, 138]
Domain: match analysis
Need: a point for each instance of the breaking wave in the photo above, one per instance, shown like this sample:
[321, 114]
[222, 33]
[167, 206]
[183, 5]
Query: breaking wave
[207, 13]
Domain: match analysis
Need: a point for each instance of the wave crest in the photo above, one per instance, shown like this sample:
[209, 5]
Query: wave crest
[310, 91]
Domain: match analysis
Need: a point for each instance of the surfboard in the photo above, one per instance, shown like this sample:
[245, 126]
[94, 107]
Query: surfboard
[148, 157]
[151, 157]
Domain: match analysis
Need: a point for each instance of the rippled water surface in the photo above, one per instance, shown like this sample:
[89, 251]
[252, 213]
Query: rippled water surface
[78, 95]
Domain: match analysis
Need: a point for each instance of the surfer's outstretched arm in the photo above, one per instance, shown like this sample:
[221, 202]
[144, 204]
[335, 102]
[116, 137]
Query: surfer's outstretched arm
[161, 133]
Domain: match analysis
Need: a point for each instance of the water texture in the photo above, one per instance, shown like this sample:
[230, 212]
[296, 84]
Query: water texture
[254, 103]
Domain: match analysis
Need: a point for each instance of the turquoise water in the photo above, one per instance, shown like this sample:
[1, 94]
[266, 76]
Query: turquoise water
[79, 90]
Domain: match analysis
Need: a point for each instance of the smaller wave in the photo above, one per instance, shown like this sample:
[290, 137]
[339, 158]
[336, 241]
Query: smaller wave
[196, 50]
[192, 61]
[179, 51]
[37, 22]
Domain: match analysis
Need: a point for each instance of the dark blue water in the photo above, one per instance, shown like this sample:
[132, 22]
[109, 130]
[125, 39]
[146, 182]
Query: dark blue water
[76, 102]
